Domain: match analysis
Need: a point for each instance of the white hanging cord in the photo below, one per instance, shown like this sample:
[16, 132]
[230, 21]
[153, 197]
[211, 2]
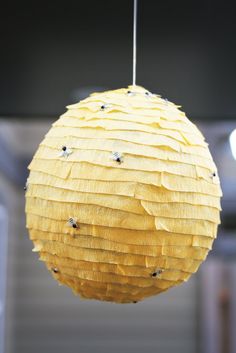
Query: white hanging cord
[134, 41]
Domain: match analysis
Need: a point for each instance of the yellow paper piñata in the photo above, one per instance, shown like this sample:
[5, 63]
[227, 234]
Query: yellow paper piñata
[123, 197]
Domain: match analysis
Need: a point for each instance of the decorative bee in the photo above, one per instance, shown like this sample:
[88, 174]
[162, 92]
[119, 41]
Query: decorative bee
[117, 156]
[72, 222]
[131, 93]
[156, 273]
[55, 269]
[151, 95]
[105, 106]
[65, 152]
[213, 176]
[26, 186]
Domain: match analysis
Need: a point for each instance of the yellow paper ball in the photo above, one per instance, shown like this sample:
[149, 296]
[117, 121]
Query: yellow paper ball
[123, 197]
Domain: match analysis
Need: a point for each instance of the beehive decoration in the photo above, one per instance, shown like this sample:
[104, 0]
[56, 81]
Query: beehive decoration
[123, 197]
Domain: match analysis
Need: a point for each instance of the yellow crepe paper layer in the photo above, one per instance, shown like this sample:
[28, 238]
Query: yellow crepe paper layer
[113, 257]
[144, 164]
[172, 209]
[105, 291]
[129, 148]
[104, 216]
[122, 270]
[127, 187]
[127, 236]
[102, 244]
[122, 230]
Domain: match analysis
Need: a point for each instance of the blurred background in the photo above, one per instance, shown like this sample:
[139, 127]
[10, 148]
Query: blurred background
[55, 53]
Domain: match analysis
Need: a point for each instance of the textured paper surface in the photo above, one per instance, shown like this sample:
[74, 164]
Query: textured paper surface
[144, 223]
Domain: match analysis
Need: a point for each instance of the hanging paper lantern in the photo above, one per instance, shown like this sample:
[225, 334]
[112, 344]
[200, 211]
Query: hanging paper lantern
[123, 197]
